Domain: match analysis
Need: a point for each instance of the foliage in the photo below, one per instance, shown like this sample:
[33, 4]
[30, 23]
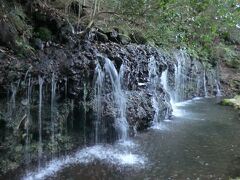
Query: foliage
[199, 26]
[209, 30]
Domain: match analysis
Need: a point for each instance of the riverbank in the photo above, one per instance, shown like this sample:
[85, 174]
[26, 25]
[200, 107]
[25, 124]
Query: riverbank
[235, 102]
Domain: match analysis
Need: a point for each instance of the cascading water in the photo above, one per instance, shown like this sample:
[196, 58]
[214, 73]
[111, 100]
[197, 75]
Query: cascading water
[85, 111]
[12, 103]
[53, 110]
[121, 76]
[40, 81]
[164, 81]
[199, 80]
[72, 111]
[205, 84]
[28, 120]
[218, 88]
[121, 124]
[98, 96]
[153, 83]
[180, 76]
[187, 81]
[66, 86]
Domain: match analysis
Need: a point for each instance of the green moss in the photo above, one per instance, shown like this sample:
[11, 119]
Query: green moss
[43, 33]
[24, 48]
[138, 37]
[235, 102]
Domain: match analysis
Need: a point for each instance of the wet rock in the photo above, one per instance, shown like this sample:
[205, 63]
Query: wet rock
[124, 39]
[137, 37]
[8, 34]
[38, 43]
[235, 102]
[113, 36]
[139, 109]
[101, 37]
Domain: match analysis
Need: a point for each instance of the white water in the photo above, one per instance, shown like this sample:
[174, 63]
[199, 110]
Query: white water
[12, 104]
[85, 112]
[180, 75]
[118, 154]
[205, 84]
[153, 83]
[109, 70]
[53, 109]
[119, 97]
[98, 96]
[121, 153]
[175, 111]
[164, 79]
[40, 81]
[66, 86]
[218, 88]
[28, 121]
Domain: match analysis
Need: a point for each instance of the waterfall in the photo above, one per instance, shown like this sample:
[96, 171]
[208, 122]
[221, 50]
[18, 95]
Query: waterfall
[199, 80]
[121, 124]
[12, 102]
[205, 83]
[53, 109]
[153, 83]
[72, 105]
[180, 76]
[66, 86]
[218, 88]
[121, 76]
[27, 122]
[98, 96]
[164, 82]
[40, 81]
[164, 79]
[85, 111]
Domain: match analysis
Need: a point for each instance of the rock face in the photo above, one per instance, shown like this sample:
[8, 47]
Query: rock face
[69, 90]
[74, 69]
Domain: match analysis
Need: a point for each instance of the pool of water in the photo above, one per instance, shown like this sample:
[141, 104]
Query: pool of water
[200, 142]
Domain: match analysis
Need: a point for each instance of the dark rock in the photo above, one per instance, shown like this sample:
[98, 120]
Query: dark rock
[38, 43]
[137, 37]
[113, 36]
[118, 61]
[101, 37]
[8, 34]
[123, 39]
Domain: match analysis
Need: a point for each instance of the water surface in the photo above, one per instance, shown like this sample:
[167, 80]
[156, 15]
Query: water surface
[202, 142]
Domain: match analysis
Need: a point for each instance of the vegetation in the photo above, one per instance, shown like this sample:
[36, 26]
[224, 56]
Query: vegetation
[209, 30]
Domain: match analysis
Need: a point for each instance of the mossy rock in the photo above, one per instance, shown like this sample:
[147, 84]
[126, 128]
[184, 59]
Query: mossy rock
[23, 47]
[43, 33]
[235, 102]
[138, 37]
